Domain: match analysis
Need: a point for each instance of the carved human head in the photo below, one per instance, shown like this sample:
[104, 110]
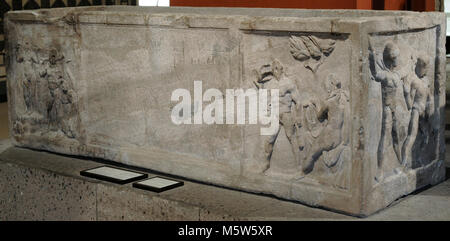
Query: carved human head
[269, 71]
[422, 65]
[277, 69]
[265, 73]
[391, 55]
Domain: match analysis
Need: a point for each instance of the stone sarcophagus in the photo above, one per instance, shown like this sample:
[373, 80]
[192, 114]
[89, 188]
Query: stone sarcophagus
[353, 117]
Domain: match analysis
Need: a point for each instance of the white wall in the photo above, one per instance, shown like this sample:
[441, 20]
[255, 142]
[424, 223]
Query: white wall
[160, 3]
[447, 11]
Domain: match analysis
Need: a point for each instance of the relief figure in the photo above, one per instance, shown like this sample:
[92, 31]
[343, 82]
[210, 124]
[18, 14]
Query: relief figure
[325, 134]
[390, 73]
[420, 100]
[47, 89]
[272, 76]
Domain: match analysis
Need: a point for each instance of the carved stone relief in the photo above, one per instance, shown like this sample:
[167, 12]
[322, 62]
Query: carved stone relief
[312, 111]
[356, 130]
[405, 74]
[50, 102]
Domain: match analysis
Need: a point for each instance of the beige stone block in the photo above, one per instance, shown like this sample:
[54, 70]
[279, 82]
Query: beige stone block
[362, 96]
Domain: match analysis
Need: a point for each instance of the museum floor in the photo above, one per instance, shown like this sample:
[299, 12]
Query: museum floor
[65, 195]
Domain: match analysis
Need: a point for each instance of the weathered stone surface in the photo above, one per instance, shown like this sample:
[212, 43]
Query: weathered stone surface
[124, 203]
[29, 193]
[361, 95]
